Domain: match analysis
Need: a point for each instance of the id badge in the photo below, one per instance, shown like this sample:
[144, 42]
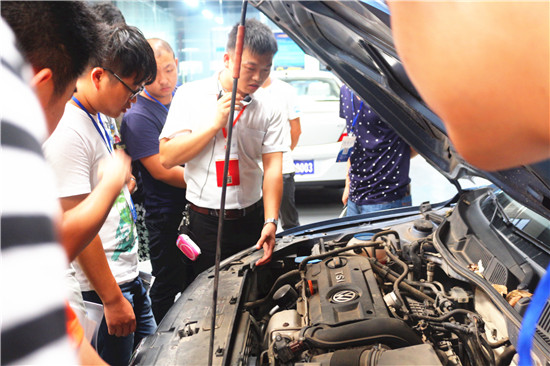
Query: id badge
[346, 148]
[233, 178]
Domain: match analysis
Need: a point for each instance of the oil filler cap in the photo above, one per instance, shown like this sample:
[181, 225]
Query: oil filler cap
[336, 262]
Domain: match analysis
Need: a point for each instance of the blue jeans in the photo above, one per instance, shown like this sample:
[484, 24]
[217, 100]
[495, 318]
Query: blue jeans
[118, 350]
[355, 209]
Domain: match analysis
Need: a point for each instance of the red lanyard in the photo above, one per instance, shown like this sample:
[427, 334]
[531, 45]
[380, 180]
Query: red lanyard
[234, 122]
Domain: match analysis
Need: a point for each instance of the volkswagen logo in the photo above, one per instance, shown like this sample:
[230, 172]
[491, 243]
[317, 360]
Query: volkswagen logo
[344, 296]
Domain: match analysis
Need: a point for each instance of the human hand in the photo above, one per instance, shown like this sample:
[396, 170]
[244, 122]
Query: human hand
[132, 184]
[115, 171]
[345, 195]
[224, 107]
[267, 242]
[120, 317]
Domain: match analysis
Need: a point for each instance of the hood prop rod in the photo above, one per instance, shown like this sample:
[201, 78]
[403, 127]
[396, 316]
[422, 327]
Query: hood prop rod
[236, 73]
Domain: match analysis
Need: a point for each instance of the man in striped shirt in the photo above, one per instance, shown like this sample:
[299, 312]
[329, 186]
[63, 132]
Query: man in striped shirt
[33, 309]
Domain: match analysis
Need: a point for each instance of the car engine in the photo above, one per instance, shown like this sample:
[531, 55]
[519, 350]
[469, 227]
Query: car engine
[380, 301]
[443, 286]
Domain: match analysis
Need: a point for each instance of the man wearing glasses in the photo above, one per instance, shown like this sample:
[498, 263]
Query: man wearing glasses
[107, 269]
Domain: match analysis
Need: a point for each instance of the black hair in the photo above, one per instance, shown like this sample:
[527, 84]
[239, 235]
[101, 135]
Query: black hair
[127, 53]
[258, 38]
[59, 35]
[108, 13]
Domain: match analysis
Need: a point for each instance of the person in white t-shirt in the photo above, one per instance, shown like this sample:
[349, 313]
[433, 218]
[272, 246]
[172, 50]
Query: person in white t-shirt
[195, 133]
[107, 269]
[284, 95]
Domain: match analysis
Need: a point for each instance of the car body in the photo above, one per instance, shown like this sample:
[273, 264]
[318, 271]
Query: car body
[318, 100]
[450, 281]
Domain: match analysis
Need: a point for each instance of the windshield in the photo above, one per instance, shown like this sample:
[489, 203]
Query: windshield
[518, 223]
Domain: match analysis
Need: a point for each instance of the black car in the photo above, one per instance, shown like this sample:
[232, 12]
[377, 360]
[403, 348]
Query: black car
[440, 284]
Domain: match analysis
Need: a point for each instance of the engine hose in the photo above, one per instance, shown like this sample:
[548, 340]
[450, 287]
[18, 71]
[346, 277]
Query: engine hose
[385, 232]
[381, 271]
[472, 359]
[457, 328]
[305, 261]
[415, 258]
[486, 349]
[282, 280]
[478, 356]
[446, 316]
[497, 344]
[434, 288]
[387, 272]
[505, 358]
[390, 331]
[399, 279]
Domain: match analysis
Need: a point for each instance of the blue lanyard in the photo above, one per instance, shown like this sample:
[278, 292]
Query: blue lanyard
[531, 318]
[358, 112]
[155, 99]
[106, 138]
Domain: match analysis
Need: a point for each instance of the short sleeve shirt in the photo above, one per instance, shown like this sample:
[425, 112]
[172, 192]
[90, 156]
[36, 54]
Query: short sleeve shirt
[33, 261]
[258, 131]
[380, 161]
[283, 95]
[140, 130]
[75, 150]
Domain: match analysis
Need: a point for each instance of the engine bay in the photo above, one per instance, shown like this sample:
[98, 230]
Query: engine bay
[418, 289]
[386, 297]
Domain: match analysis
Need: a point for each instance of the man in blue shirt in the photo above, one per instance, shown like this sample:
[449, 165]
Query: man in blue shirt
[164, 189]
[378, 174]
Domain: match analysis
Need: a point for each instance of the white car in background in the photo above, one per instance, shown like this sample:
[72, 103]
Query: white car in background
[322, 127]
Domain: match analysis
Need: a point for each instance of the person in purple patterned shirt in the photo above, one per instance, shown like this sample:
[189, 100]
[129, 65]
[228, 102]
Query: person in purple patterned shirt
[378, 173]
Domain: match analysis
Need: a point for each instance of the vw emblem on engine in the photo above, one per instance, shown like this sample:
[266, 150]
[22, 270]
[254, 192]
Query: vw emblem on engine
[344, 296]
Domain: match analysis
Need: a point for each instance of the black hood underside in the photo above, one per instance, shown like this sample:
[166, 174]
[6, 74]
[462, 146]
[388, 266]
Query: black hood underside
[354, 40]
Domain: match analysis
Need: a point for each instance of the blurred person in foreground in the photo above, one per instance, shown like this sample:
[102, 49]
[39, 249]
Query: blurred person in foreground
[495, 103]
[496, 96]
[107, 12]
[34, 298]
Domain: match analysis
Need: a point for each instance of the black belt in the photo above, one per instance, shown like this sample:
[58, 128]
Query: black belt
[229, 214]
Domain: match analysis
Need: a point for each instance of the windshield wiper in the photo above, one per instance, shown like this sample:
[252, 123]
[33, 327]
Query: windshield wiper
[499, 209]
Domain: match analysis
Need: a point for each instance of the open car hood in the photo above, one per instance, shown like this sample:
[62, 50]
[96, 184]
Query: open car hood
[354, 39]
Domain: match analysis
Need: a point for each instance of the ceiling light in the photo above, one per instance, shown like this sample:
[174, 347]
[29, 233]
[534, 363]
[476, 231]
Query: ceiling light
[191, 3]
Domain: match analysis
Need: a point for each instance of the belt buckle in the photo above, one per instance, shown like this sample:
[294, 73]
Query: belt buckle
[234, 214]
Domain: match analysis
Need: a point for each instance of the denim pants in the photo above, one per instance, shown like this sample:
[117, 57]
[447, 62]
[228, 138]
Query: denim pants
[172, 270]
[355, 209]
[118, 350]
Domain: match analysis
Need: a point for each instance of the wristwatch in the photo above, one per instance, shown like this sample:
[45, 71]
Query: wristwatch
[267, 221]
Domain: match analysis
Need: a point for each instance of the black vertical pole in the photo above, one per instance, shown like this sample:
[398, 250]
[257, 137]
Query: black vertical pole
[236, 72]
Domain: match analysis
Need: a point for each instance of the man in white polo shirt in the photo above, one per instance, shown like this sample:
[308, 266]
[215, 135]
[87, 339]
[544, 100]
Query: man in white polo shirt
[195, 133]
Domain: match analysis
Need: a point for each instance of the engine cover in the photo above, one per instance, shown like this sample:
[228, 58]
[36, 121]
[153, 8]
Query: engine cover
[347, 291]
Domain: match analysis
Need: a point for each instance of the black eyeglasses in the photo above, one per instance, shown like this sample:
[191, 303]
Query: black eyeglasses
[134, 92]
